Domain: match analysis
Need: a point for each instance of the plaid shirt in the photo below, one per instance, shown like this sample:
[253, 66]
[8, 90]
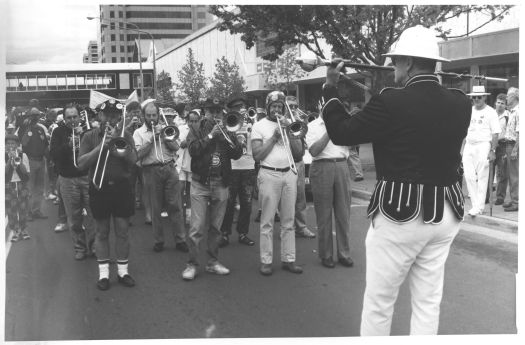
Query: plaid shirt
[513, 125]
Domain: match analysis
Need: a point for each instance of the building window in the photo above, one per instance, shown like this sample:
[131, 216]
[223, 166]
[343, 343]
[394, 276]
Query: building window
[113, 38]
[112, 26]
[131, 48]
[122, 37]
[148, 82]
[111, 14]
[113, 59]
[113, 49]
[122, 59]
[201, 15]
[122, 49]
[120, 14]
[130, 59]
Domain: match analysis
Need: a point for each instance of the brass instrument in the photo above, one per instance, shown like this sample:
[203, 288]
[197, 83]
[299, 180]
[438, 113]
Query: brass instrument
[84, 117]
[297, 129]
[233, 122]
[310, 64]
[250, 115]
[168, 132]
[311, 117]
[75, 126]
[286, 145]
[117, 147]
[14, 157]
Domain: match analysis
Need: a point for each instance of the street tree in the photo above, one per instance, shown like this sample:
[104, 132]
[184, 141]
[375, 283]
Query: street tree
[191, 86]
[284, 72]
[360, 33]
[164, 88]
[226, 80]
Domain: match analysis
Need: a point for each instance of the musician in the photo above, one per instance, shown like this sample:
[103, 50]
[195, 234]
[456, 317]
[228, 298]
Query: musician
[158, 159]
[211, 156]
[300, 205]
[417, 205]
[277, 184]
[242, 179]
[72, 182]
[133, 122]
[330, 181]
[114, 198]
[35, 144]
[16, 191]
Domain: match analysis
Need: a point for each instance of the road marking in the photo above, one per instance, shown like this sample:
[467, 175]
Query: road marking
[8, 244]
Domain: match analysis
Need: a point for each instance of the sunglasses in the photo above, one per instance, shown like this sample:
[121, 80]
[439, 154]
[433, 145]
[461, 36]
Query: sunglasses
[477, 97]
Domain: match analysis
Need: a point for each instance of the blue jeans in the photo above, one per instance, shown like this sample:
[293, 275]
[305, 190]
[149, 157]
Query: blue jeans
[207, 200]
[241, 184]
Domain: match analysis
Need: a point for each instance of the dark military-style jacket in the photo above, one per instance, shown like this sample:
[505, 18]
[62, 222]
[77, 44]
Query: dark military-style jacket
[417, 132]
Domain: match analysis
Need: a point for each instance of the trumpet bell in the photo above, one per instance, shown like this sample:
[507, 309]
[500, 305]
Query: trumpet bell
[119, 147]
[170, 133]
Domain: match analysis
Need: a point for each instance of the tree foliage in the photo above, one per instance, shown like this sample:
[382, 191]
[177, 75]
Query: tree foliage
[284, 72]
[226, 80]
[164, 88]
[191, 86]
[361, 33]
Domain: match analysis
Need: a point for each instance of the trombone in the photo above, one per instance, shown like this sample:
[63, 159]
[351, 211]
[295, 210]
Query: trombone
[118, 147]
[168, 132]
[286, 145]
[297, 128]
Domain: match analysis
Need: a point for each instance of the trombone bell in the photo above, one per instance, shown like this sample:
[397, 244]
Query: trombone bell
[170, 133]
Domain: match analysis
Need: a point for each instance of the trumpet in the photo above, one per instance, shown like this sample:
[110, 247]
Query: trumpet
[310, 64]
[233, 122]
[74, 145]
[15, 158]
[84, 116]
[117, 147]
[250, 114]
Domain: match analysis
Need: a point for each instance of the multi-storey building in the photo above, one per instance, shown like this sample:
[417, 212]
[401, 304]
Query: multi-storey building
[92, 55]
[161, 21]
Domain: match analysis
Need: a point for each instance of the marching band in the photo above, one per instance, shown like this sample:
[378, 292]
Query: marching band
[194, 168]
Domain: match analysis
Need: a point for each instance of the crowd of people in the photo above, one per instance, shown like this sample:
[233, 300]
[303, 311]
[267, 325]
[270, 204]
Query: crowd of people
[195, 165]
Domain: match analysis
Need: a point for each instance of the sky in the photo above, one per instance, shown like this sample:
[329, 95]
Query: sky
[57, 31]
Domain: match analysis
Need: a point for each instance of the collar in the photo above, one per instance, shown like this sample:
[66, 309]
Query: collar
[422, 78]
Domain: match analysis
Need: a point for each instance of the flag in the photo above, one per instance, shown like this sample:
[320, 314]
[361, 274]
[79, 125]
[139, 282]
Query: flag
[150, 53]
[96, 98]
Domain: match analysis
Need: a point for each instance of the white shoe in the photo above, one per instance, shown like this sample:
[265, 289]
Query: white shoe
[217, 268]
[60, 227]
[51, 196]
[474, 212]
[164, 214]
[190, 272]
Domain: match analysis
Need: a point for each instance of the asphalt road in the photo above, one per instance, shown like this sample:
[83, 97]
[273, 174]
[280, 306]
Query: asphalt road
[50, 296]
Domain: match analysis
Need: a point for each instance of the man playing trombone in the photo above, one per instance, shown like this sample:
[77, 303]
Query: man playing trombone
[73, 182]
[109, 153]
[211, 148]
[158, 154]
[277, 182]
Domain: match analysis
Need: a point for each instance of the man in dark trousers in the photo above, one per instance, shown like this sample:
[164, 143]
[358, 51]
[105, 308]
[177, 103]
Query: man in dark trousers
[417, 205]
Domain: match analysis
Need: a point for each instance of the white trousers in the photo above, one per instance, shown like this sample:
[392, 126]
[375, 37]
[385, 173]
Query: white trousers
[476, 170]
[416, 251]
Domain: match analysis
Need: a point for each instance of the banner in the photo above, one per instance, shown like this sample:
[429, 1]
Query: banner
[96, 98]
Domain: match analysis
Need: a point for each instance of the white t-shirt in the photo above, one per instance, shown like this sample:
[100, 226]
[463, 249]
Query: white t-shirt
[246, 162]
[316, 130]
[184, 159]
[263, 130]
[483, 124]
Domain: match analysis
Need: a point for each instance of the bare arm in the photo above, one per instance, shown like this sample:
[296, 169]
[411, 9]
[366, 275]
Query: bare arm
[319, 145]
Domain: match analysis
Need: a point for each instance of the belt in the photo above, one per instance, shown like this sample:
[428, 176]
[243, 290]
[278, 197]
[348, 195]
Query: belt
[159, 164]
[330, 160]
[275, 169]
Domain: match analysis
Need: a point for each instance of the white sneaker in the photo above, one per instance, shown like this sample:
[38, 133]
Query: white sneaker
[190, 272]
[217, 268]
[164, 214]
[51, 196]
[474, 212]
[61, 227]
[188, 215]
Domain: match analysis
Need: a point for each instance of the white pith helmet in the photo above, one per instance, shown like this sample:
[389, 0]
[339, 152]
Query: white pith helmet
[417, 41]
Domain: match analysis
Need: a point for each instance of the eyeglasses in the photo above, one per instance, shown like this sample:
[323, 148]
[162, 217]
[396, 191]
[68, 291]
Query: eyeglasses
[477, 97]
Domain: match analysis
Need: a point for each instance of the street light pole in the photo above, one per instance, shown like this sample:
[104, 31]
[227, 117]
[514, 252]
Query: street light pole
[137, 29]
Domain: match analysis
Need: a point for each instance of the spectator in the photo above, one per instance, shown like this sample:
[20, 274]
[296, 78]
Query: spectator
[512, 141]
[500, 164]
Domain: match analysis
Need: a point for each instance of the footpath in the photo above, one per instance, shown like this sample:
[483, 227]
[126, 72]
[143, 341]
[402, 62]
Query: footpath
[499, 220]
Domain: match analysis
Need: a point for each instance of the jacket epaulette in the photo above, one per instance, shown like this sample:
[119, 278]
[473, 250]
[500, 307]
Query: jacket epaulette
[455, 89]
[388, 88]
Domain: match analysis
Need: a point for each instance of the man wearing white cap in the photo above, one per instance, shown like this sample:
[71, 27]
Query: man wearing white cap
[480, 148]
[417, 205]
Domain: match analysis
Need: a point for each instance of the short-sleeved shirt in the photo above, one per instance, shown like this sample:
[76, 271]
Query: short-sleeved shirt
[117, 168]
[184, 157]
[316, 130]
[513, 127]
[142, 136]
[246, 162]
[263, 130]
[483, 124]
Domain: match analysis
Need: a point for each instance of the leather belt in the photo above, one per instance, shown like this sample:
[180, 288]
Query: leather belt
[276, 169]
[159, 164]
[330, 160]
